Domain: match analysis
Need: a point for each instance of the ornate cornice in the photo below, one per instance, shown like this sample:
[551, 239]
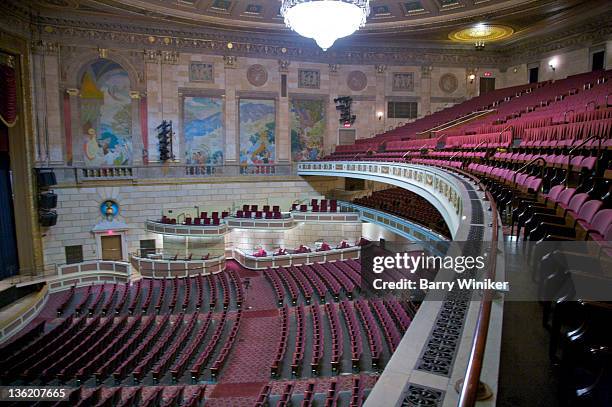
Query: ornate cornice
[106, 34]
[164, 42]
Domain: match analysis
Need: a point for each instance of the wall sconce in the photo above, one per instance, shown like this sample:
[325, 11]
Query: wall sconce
[471, 77]
[479, 45]
[553, 64]
[380, 115]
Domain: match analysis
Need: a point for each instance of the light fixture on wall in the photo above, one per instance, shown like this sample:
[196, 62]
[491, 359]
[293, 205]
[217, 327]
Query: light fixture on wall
[380, 115]
[553, 64]
[479, 45]
[325, 21]
[471, 77]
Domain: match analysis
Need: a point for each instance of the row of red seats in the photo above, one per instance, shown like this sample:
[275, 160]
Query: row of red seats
[550, 160]
[372, 331]
[130, 355]
[281, 349]
[204, 357]
[265, 208]
[158, 350]
[354, 332]
[101, 352]
[390, 331]
[49, 359]
[217, 365]
[13, 364]
[122, 396]
[101, 368]
[336, 334]
[96, 331]
[258, 215]
[487, 140]
[160, 367]
[317, 339]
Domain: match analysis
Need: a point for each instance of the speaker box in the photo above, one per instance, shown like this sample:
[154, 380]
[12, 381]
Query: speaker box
[47, 200]
[47, 218]
[45, 178]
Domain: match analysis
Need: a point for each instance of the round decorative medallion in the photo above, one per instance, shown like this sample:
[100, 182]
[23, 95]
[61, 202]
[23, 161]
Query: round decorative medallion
[109, 209]
[357, 81]
[448, 83]
[481, 32]
[257, 75]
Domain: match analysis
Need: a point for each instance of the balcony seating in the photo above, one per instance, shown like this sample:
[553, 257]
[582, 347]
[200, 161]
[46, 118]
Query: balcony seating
[408, 205]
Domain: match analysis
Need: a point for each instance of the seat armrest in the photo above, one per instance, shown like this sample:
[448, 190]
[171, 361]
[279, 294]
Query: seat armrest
[546, 218]
[558, 238]
[560, 230]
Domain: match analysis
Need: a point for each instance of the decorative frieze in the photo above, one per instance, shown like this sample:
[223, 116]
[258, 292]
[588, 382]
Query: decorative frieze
[309, 78]
[380, 68]
[403, 82]
[45, 47]
[201, 72]
[283, 65]
[426, 71]
[230, 61]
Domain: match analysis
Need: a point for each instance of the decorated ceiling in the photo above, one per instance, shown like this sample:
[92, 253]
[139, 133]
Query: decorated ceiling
[391, 21]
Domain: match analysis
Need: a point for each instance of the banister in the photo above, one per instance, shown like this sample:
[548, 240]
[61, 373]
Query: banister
[594, 102]
[504, 129]
[471, 381]
[571, 154]
[533, 161]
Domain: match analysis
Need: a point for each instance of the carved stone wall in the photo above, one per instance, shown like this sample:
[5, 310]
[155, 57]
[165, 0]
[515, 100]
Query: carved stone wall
[164, 62]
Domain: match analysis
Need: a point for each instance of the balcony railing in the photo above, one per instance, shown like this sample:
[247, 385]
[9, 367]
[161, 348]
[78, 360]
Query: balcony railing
[80, 174]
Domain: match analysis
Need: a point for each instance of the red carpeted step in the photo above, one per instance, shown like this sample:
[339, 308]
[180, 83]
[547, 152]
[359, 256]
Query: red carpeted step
[248, 389]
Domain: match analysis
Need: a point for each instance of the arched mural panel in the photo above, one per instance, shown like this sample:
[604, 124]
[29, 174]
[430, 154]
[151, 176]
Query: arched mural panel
[106, 114]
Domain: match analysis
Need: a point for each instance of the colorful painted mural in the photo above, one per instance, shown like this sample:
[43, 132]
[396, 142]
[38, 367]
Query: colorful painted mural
[203, 130]
[106, 114]
[307, 129]
[257, 131]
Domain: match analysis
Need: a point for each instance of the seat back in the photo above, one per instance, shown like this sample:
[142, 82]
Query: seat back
[577, 201]
[554, 192]
[589, 209]
[601, 221]
[565, 196]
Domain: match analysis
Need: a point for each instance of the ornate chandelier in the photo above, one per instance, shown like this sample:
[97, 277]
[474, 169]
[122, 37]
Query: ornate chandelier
[325, 20]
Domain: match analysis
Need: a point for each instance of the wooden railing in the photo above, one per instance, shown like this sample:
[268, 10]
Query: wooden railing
[471, 381]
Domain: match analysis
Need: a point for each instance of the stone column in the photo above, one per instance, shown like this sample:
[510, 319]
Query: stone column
[283, 137]
[73, 130]
[48, 114]
[381, 90]
[154, 107]
[231, 111]
[331, 139]
[137, 141]
[425, 106]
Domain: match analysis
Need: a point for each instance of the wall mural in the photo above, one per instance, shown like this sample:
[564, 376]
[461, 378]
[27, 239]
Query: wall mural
[106, 114]
[257, 131]
[203, 130]
[307, 129]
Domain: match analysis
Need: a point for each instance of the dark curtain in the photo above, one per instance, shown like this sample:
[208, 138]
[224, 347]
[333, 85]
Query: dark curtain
[9, 262]
[8, 95]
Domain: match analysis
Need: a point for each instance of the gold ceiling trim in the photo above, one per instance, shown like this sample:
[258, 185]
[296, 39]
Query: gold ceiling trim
[481, 32]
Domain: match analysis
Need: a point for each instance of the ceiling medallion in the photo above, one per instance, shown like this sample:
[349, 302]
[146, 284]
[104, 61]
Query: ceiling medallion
[325, 21]
[481, 32]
